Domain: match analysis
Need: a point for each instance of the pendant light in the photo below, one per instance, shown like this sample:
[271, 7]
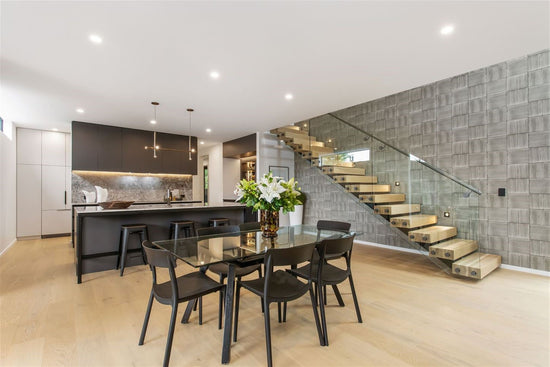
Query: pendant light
[155, 147]
[189, 147]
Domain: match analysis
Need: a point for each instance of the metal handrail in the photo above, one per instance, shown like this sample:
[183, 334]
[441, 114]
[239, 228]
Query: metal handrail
[422, 162]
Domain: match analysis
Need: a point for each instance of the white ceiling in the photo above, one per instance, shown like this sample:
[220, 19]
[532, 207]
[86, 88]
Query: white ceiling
[329, 55]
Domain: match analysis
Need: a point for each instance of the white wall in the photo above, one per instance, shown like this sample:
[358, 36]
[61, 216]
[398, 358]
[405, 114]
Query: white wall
[8, 154]
[215, 172]
[231, 177]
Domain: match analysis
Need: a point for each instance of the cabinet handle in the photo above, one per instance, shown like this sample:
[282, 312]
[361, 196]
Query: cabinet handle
[65, 197]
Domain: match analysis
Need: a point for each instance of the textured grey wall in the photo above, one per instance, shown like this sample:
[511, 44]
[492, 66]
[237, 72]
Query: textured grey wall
[489, 127]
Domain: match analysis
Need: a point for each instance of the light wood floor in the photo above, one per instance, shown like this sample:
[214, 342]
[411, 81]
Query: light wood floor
[414, 315]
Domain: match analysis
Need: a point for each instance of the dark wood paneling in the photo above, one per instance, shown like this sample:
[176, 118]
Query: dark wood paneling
[241, 147]
[109, 142]
[84, 146]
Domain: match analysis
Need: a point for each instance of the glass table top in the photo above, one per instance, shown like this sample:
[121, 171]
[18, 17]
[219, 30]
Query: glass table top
[207, 250]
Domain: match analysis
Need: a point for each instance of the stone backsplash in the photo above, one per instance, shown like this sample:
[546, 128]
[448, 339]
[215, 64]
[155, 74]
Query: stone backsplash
[123, 186]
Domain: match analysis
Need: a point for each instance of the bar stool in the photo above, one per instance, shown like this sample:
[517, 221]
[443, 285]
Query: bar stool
[215, 222]
[185, 227]
[126, 231]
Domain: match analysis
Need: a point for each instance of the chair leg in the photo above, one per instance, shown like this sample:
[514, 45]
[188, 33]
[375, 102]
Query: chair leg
[357, 311]
[325, 294]
[220, 305]
[262, 301]
[279, 312]
[119, 251]
[146, 320]
[143, 236]
[267, 335]
[200, 310]
[322, 309]
[237, 302]
[284, 312]
[170, 337]
[316, 316]
[126, 237]
[338, 295]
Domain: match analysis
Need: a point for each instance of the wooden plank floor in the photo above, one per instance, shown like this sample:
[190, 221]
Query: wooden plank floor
[414, 315]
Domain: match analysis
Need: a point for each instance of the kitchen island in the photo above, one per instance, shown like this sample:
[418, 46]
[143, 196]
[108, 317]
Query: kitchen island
[97, 231]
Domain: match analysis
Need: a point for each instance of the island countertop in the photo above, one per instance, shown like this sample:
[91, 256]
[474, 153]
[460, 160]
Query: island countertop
[98, 230]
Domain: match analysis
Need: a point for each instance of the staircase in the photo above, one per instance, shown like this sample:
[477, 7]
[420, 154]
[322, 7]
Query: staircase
[460, 255]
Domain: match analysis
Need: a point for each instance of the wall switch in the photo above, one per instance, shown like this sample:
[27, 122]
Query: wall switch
[501, 191]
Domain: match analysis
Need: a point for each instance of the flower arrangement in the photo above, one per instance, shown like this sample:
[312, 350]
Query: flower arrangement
[270, 193]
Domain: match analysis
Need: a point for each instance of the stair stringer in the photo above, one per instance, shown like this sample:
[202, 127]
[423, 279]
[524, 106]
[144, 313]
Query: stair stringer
[310, 178]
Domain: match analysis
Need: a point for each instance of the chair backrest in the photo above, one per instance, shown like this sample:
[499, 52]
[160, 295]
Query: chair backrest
[207, 231]
[333, 225]
[157, 257]
[335, 247]
[288, 256]
[250, 226]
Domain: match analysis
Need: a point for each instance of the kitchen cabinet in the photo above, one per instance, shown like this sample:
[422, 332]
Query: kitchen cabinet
[134, 156]
[29, 146]
[84, 143]
[56, 222]
[109, 153]
[53, 148]
[54, 193]
[29, 178]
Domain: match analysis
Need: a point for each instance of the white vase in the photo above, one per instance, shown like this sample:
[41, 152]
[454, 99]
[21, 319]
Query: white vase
[102, 194]
[297, 216]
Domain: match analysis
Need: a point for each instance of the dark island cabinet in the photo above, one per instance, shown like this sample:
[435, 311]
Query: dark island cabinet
[115, 149]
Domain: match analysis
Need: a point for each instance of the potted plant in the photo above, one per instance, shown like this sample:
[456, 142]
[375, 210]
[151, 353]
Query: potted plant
[297, 216]
[269, 195]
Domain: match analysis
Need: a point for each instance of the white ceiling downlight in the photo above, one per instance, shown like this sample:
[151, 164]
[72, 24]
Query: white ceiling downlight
[289, 96]
[214, 74]
[80, 110]
[94, 38]
[447, 30]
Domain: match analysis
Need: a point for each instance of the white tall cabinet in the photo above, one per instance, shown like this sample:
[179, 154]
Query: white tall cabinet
[43, 183]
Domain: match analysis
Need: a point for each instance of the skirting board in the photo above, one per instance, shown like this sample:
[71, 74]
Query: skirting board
[6, 249]
[504, 266]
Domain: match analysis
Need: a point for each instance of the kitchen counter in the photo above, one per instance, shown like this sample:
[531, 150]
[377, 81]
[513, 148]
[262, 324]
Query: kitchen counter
[97, 230]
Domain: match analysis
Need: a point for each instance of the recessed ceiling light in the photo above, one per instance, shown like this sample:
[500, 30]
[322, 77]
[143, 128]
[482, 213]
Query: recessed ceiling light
[80, 110]
[214, 74]
[95, 39]
[208, 130]
[55, 129]
[202, 142]
[289, 96]
[153, 122]
[447, 30]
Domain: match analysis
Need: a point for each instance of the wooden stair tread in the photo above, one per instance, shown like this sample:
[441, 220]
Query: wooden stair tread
[413, 220]
[355, 179]
[382, 198]
[363, 188]
[453, 249]
[286, 129]
[477, 265]
[432, 234]
[395, 209]
[340, 170]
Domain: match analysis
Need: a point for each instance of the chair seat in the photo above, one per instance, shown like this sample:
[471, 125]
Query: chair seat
[190, 286]
[283, 286]
[223, 269]
[331, 274]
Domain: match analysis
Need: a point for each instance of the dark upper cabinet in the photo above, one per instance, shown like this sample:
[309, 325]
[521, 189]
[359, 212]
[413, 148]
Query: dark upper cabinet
[109, 154]
[109, 148]
[84, 146]
[135, 158]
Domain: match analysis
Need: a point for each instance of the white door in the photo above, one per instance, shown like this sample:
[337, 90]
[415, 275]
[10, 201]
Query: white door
[28, 200]
[56, 221]
[68, 188]
[53, 148]
[53, 187]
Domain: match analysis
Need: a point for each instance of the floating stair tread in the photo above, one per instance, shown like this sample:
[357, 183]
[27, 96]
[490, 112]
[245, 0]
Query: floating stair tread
[339, 170]
[362, 188]
[453, 249]
[413, 221]
[432, 234]
[318, 149]
[395, 209]
[382, 198]
[355, 179]
[286, 129]
[477, 265]
[290, 135]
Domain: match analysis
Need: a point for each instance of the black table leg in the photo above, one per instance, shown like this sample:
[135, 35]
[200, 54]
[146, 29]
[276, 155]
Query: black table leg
[228, 321]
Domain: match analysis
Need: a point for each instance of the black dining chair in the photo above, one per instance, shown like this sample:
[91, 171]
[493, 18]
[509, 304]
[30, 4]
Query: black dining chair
[173, 292]
[222, 269]
[279, 286]
[323, 273]
[332, 225]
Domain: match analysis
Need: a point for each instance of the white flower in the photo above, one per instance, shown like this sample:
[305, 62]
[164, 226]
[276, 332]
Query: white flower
[239, 192]
[270, 190]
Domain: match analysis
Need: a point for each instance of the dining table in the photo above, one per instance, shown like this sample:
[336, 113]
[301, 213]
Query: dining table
[241, 248]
